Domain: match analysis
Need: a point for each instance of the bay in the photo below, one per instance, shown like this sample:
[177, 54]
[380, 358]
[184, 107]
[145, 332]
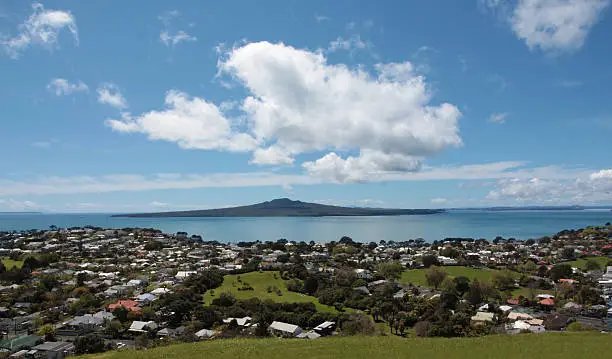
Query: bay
[459, 223]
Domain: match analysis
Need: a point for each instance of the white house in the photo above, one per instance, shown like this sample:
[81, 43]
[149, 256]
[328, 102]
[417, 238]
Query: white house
[284, 329]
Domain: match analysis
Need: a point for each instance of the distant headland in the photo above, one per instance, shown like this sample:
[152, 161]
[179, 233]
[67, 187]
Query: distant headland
[285, 207]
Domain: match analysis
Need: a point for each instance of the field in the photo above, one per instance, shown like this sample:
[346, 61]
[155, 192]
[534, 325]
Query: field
[260, 281]
[9, 263]
[417, 276]
[540, 346]
[580, 263]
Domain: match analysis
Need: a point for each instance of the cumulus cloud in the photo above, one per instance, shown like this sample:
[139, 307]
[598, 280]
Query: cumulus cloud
[498, 117]
[299, 103]
[42, 28]
[170, 37]
[368, 166]
[193, 123]
[596, 187]
[550, 25]
[109, 94]
[63, 87]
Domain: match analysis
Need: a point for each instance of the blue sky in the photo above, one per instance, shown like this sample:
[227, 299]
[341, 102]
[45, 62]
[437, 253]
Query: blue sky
[118, 107]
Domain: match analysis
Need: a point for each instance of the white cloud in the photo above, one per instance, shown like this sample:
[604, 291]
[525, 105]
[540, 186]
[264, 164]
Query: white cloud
[41, 28]
[271, 156]
[351, 44]
[552, 25]
[19, 206]
[498, 117]
[62, 87]
[594, 188]
[438, 200]
[109, 94]
[193, 123]
[301, 103]
[298, 103]
[158, 204]
[321, 18]
[45, 144]
[169, 37]
[134, 182]
[369, 166]
[173, 40]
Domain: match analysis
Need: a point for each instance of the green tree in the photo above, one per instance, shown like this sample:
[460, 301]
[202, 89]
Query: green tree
[430, 260]
[48, 332]
[435, 276]
[88, 344]
[592, 265]
[559, 271]
[503, 280]
[462, 284]
[390, 271]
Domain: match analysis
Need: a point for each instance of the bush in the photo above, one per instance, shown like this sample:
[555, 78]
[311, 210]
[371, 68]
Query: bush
[358, 324]
[423, 329]
[575, 327]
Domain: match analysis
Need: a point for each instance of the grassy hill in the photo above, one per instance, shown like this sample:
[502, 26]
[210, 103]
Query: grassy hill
[260, 281]
[9, 263]
[417, 276]
[581, 263]
[540, 346]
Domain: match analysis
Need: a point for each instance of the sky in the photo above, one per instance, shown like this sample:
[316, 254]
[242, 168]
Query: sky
[114, 106]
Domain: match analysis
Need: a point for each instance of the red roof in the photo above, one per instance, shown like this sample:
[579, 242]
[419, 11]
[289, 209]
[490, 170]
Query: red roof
[128, 304]
[548, 301]
[513, 301]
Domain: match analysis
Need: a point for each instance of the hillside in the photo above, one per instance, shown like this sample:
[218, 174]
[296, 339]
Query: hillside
[540, 346]
[260, 282]
[285, 207]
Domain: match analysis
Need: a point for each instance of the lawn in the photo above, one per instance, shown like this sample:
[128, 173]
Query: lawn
[260, 281]
[540, 346]
[417, 276]
[580, 263]
[9, 263]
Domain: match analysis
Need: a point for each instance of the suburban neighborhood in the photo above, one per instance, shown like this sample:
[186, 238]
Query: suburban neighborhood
[84, 290]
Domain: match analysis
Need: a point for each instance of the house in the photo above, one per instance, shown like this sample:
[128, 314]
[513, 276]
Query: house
[142, 327]
[159, 291]
[284, 329]
[54, 350]
[482, 318]
[169, 332]
[242, 322]
[519, 316]
[205, 333]
[180, 275]
[130, 305]
[87, 321]
[325, 328]
[146, 298]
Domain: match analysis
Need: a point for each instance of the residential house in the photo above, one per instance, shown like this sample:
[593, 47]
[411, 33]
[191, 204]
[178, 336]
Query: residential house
[142, 327]
[284, 329]
[128, 304]
[54, 350]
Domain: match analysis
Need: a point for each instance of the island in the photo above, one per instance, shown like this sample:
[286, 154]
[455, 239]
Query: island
[285, 207]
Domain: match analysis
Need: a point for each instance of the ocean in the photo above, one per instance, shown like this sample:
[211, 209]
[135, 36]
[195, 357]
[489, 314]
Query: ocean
[459, 223]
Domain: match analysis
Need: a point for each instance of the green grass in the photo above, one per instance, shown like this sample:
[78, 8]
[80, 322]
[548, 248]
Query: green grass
[260, 281]
[580, 263]
[9, 263]
[417, 276]
[540, 346]
[525, 292]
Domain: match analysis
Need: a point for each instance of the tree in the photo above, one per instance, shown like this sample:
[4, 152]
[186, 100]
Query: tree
[423, 329]
[503, 280]
[568, 253]
[430, 260]
[592, 265]
[435, 276]
[121, 314]
[88, 344]
[390, 271]
[358, 324]
[462, 284]
[479, 292]
[559, 271]
[48, 332]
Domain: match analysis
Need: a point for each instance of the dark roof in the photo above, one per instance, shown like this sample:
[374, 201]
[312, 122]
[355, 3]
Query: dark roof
[54, 346]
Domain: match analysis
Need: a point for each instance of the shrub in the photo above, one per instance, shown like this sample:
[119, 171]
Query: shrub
[423, 329]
